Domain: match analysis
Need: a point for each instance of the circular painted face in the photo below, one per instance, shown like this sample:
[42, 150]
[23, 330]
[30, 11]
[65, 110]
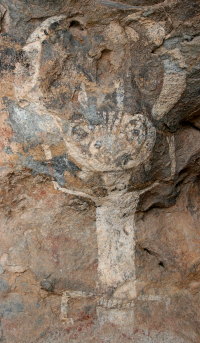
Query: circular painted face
[96, 87]
[120, 142]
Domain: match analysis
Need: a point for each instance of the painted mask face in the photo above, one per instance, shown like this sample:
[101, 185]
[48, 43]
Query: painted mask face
[101, 89]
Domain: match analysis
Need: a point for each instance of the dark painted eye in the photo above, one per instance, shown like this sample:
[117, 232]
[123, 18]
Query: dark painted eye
[74, 24]
[54, 26]
[76, 116]
[79, 132]
[98, 144]
[135, 132]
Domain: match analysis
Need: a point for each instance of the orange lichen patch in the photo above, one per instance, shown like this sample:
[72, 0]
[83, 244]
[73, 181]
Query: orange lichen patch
[5, 134]
[57, 150]
[39, 193]
[45, 192]
[8, 159]
[75, 182]
[6, 85]
[5, 40]
[17, 148]
[37, 153]
[26, 282]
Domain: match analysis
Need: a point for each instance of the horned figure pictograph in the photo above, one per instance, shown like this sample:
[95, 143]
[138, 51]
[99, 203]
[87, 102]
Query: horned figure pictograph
[106, 129]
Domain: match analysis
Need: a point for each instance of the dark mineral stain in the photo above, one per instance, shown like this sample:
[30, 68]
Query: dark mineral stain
[7, 59]
[11, 307]
[161, 264]
[54, 168]
[54, 26]
[60, 164]
[47, 285]
[76, 25]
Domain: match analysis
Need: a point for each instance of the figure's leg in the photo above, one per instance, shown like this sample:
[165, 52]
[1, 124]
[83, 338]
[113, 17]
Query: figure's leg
[116, 256]
[115, 237]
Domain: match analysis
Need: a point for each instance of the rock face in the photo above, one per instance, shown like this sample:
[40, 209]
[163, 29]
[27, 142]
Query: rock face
[100, 171]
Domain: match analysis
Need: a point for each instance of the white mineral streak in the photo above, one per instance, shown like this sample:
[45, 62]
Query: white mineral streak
[64, 308]
[132, 34]
[155, 31]
[120, 317]
[82, 96]
[172, 154]
[157, 298]
[174, 82]
[119, 95]
[33, 49]
[173, 86]
[66, 297]
[48, 155]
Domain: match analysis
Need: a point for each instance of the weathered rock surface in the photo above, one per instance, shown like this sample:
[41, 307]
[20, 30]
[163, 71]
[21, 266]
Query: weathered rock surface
[100, 171]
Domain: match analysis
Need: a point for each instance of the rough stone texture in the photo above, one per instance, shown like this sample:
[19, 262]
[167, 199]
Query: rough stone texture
[99, 171]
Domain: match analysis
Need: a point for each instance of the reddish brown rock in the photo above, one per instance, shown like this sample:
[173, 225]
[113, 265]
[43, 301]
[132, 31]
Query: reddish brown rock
[99, 171]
